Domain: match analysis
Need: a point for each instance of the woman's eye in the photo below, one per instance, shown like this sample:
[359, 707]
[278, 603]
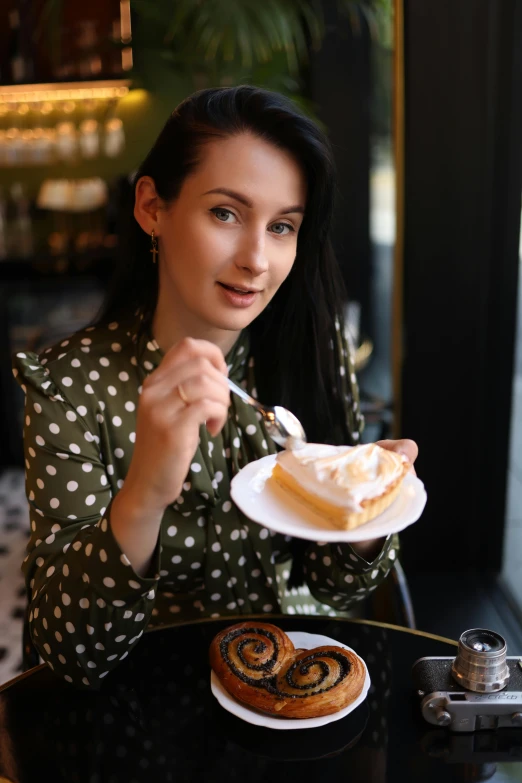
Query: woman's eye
[282, 229]
[223, 214]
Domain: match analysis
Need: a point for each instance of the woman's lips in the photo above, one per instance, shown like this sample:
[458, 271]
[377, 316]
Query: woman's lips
[236, 297]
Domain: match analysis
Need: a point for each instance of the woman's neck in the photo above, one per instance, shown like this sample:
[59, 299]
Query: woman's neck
[168, 329]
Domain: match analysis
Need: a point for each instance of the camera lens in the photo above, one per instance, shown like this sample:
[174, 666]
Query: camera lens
[481, 664]
[480, 640]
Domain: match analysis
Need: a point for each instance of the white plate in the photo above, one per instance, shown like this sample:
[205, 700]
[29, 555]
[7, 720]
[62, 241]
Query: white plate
[265, 502]
[305, 641]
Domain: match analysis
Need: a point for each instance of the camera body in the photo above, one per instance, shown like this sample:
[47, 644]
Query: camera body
[444, 702]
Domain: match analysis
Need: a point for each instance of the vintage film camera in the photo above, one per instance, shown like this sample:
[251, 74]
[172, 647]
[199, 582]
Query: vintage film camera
[481, 688]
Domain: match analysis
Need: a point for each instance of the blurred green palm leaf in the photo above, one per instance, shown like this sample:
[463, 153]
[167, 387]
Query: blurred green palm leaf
[245, 32]
[226, 41]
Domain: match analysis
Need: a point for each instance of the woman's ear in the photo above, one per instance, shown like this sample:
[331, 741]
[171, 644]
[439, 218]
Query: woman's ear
[147, 203]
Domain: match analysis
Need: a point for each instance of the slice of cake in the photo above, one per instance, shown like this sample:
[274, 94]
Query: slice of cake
[349, 485]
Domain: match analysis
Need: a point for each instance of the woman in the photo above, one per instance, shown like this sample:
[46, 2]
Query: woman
[131, 436]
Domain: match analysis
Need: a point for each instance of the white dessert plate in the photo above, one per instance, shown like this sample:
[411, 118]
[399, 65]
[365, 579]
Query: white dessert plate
[305, 641]
[265, 502]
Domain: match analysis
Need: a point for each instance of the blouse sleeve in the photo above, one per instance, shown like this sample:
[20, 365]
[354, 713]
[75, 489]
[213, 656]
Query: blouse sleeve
[339, 577]
[87, 606]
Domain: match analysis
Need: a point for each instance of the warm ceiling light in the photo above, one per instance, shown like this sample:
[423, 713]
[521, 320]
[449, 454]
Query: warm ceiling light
[67, 91]
[125, 21]
[126, 58]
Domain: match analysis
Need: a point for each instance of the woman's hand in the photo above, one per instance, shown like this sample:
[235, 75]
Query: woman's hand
[188, 389]
[404, 446]
[370, 549]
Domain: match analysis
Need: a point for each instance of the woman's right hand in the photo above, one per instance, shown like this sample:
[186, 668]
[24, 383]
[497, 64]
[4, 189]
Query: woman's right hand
[167, 429]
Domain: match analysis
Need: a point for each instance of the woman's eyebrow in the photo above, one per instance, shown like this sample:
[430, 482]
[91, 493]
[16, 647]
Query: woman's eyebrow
[248, 203]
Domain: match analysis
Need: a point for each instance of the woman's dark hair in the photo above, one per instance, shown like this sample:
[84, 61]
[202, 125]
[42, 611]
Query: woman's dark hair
[294, 341]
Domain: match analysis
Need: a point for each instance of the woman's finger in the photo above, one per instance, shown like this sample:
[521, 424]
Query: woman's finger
[185, 352]
[162, 403]
[402, 446]
[212, 414]
[198, 386]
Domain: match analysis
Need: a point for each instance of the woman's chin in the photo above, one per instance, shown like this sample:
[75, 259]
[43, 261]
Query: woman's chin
[233, 324]
[233, 320]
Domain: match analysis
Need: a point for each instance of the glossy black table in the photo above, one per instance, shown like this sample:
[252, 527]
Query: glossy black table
[155, 719]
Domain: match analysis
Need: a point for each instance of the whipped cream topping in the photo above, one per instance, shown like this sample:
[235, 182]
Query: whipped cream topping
[343, 475]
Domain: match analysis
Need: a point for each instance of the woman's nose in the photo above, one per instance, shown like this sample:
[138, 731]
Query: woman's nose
[252, 254]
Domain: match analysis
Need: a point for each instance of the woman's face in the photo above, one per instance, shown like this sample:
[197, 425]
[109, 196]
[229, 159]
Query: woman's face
[229, 240]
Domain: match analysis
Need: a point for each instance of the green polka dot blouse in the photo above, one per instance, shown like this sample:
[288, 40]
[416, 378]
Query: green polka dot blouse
[88, 608]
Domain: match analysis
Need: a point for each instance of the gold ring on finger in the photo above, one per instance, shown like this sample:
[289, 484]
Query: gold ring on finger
[182, 395]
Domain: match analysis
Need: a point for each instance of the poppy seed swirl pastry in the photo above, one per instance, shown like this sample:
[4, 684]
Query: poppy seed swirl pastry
[258, 664]
[348, 485]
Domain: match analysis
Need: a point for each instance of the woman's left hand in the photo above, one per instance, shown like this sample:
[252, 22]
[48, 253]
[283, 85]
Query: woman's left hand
[370, 549]
[404, 446]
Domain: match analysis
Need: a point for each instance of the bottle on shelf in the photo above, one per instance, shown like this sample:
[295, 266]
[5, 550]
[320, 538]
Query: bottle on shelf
[16, 60]
[89, 62]
[22, 242]
[20, 64]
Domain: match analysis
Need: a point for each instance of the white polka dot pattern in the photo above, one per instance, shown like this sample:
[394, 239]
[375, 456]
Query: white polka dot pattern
[81, 423]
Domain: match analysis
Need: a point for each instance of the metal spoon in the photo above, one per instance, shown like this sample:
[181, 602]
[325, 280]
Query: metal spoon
[283, 427]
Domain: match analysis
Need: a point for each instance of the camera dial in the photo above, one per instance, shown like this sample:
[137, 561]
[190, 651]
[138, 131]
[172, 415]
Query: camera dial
[480, 664]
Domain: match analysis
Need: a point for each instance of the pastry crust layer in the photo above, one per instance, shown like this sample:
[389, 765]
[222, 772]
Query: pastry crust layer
[339, 516]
